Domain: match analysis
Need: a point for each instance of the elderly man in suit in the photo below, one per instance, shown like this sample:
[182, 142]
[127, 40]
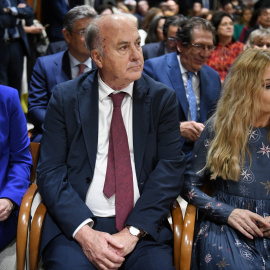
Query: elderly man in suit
[197, 86]
[66, 65]
[108, 172]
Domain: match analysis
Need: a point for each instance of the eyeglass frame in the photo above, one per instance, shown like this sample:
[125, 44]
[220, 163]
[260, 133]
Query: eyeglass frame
[172, 39]
[201, 47]
[80, 33]
[261, 45]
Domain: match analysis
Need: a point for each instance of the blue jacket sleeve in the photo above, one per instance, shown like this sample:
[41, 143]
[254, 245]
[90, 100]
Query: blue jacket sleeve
[16, 160]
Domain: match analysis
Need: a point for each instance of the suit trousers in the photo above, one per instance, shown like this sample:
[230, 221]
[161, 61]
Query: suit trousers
[11, 64]
[64, 254]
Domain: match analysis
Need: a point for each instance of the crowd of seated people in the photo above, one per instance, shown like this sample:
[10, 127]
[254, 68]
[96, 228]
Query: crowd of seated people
[193, 62]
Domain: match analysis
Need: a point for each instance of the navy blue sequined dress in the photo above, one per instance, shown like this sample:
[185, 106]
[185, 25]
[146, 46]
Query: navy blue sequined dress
[216, 244]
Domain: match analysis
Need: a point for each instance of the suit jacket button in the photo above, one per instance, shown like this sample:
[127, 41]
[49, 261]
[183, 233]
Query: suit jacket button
[87, 180]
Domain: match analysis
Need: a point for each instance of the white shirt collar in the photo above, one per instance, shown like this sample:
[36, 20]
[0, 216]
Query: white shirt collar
[105, 90]
[74, 62]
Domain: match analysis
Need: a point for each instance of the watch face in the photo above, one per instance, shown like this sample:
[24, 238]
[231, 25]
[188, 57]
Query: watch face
[134, 231]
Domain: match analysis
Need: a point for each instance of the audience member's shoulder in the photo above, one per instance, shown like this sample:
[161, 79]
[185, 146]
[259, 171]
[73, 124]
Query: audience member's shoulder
[149, 46]
[7, 92]
[81, 83]
[209, 70]
[158, 58]
[155, 86]
[51, 57]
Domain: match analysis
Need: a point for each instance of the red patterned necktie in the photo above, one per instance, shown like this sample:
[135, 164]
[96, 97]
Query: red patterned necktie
[81, 69]
[119, 179]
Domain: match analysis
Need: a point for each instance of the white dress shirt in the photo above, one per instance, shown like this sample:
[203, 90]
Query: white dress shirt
[99, 204]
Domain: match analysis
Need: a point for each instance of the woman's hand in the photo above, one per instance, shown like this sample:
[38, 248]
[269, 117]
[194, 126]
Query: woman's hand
[265, 229]
[6, 207]
[248, 223]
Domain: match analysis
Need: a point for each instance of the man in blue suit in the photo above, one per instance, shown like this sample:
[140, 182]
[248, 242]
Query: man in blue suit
[81, 230]
[195, 39]
[54, 69]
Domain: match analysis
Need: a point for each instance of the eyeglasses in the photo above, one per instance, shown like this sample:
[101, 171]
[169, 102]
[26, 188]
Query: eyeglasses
[261, 45]
[172, 39]
[202, 47]
[80, 33]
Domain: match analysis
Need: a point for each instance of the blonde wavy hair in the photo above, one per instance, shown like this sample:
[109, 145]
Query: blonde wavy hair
[237, 112]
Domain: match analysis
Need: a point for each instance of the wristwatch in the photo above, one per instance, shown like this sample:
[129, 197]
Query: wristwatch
[136, 232]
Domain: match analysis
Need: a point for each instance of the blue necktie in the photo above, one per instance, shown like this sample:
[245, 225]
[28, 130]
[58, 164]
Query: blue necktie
[191, 98]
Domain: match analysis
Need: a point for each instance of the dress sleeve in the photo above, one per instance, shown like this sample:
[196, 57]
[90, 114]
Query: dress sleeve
[196, 175]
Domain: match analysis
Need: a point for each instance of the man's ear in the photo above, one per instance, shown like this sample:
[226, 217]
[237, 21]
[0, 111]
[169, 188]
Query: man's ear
[97, 57]
[179, 46]
[66, 35]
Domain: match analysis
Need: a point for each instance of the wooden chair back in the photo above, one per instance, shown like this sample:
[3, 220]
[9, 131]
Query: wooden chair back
[25, 208]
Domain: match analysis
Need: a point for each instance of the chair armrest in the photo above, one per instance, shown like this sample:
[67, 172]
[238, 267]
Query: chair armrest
[34, 149]
[177, 221]
[23, 225]
[187, 237]
[35, 235]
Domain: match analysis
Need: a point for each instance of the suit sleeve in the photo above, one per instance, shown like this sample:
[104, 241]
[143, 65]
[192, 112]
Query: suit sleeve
[38, 97]
[64, 205]
[165, 181]
[149, 69]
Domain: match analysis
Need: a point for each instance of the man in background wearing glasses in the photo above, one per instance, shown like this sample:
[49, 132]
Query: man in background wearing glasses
[60, 67]
[197, 86]
[168, 45]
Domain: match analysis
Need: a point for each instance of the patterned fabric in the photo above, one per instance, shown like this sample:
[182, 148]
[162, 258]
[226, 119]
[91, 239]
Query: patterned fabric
[223, 56]
[216, 244]
[119, 179]
[191, 98]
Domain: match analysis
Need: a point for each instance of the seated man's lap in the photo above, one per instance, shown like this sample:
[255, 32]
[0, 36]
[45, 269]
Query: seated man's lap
[63, 253]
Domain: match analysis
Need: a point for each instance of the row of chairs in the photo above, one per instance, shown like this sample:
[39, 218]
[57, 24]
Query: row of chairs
[30, 224]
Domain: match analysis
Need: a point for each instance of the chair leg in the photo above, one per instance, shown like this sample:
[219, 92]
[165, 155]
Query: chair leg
[35, 235]
[177, 221]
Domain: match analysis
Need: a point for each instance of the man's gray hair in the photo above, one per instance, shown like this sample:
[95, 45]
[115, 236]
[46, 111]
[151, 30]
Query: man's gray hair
[78, 13]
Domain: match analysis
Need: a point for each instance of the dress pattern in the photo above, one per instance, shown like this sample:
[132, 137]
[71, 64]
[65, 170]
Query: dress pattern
[223, 56]
[216, 244]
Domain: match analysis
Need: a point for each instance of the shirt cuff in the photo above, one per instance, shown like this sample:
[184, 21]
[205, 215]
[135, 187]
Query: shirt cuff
[88, 221]
[14, 11]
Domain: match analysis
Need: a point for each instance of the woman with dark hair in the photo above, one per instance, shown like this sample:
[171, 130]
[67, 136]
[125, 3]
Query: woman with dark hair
[105, 9]
[243, 22]
[155, 32]
[233, 152]
[227, 48]
[149, 16]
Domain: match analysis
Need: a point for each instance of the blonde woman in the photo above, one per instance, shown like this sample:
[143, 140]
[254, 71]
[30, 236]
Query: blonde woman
[233, 230]
[259, 39]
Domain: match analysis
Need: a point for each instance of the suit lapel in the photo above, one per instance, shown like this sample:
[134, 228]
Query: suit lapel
[175, 76]
[88, 110]
[62, 68]
[141, 115]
